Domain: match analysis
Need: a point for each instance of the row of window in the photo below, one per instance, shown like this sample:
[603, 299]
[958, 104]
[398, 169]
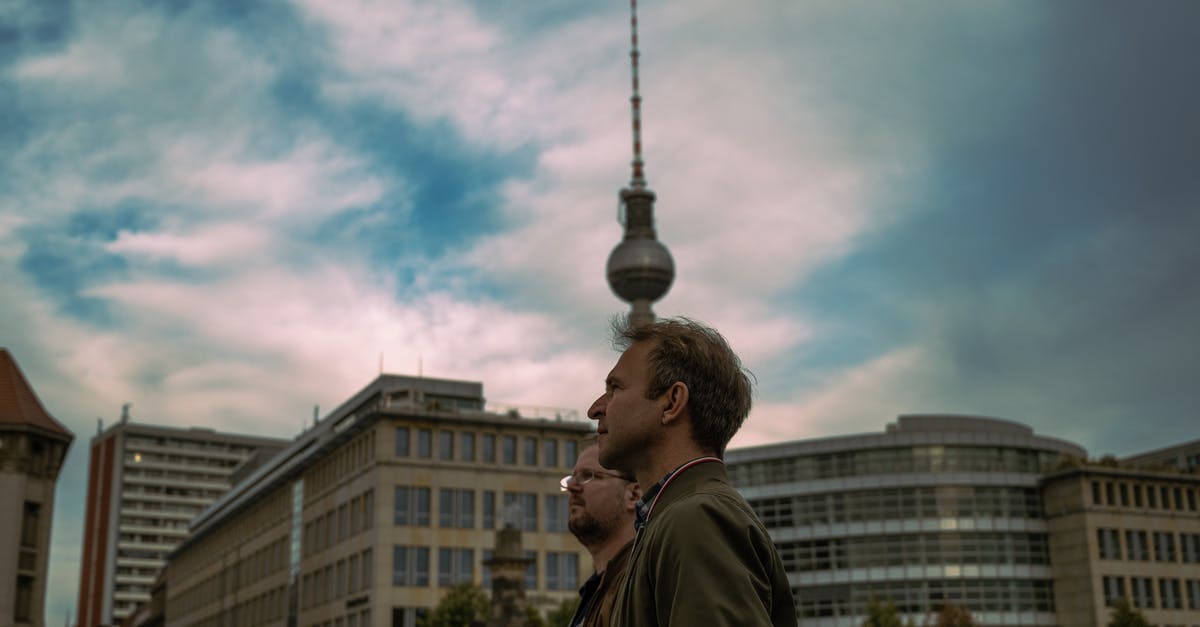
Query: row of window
[411, 568]
[1137, 548]
[229, 581]
[467, 446]
[931, 549]
[1137, 494]
[1141, 592]
[332, 469]
[339, 523]
[335, 581]
[924, 597]
[899, 504]
[353, 619]
[890, 461]
[456, 509]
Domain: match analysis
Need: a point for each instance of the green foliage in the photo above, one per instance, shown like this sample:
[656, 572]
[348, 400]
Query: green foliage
[561, 615]
[1125, 615]
[533, 618]
[955, 616]
[462, 605]
[881, 614]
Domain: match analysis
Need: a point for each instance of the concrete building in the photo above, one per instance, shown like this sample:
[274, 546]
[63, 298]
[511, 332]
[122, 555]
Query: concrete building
[145, 482]
[33, 446]
[365, 519]
[1184, 456]
[935, 510]
[1124, 532]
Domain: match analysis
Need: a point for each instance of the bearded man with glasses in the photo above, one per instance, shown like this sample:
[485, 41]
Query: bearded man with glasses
[601, 515]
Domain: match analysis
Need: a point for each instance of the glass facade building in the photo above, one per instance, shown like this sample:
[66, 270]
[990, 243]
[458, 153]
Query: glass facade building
[936, 509]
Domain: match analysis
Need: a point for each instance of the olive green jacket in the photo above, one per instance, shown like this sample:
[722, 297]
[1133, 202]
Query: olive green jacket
[703, 559]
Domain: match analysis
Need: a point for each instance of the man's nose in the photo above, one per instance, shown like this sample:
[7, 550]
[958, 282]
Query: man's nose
[597, 409]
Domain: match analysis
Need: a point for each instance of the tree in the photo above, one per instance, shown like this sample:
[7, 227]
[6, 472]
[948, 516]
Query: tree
[533, 618]
[562, 615]
[463, 605]
[955, 616]
[1125, 615]
[882, 614]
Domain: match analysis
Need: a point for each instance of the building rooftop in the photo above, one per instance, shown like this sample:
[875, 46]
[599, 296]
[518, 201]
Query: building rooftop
[19, 405]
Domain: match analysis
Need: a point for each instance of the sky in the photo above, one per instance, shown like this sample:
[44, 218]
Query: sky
[226, 213]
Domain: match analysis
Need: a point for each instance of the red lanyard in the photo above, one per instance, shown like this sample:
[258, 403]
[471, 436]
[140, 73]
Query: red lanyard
[668, 480]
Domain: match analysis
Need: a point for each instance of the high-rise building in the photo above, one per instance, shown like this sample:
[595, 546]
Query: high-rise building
[145, 482]
[366, 519]
[935, 510]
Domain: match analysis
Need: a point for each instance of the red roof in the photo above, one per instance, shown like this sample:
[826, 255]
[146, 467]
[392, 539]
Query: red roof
[19, 405]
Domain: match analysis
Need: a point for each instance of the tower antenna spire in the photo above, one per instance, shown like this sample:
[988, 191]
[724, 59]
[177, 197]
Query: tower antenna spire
[638, 180]
[640, 268]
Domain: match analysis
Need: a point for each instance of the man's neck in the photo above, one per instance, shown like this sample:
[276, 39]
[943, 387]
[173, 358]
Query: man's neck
[664, 461]
[603, 554]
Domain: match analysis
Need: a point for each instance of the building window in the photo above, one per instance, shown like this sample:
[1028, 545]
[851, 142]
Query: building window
[1137, 495]
[410, 565]
[368, 570]
[488, 444]
[456, 508]
[570, 453]
[1165, 493]
[510, 449]
[424, 443]
[1096, 493]
[562, 571]
[402, 442]
[1190, 548]
[466, 448]
[1110, 544]
[23, 606]
[455, 566]
[1114, 588]
[1109, 493]
[556, 514]
[1151, 499]
[1164, 546]
[489, 509]
[1168, 594]
[1193, 588]
[550, 452]
[526, 506]
[1136, 546]
[29, 525]
[531, 451]
[1124, 489]
[531, 571]
[486, 575]
[1143, 592]
[446, 445]
[412, 506]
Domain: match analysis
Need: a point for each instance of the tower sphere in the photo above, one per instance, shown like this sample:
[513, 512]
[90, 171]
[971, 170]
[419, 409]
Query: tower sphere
[640, 269]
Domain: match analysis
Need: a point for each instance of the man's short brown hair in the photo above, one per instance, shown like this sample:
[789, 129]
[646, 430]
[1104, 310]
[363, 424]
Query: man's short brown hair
[719, 387]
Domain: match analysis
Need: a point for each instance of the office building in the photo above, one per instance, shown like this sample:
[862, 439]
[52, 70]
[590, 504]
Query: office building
[367, 518]
[1117, 531]
[33, 446]
[1184, 456]
[145, 482]
[935, 510]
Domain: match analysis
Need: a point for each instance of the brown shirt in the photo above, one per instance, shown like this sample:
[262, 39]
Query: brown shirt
[596, 604]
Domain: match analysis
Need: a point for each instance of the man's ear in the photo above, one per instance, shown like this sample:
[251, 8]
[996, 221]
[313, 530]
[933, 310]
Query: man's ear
[675, 401]
[633, 494]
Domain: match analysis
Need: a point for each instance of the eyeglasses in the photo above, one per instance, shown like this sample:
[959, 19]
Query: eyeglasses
[584, 477]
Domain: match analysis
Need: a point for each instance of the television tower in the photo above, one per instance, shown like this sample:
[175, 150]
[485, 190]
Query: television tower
[640, 269]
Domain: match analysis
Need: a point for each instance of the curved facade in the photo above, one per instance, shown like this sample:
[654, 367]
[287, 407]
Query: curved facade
[936, 509]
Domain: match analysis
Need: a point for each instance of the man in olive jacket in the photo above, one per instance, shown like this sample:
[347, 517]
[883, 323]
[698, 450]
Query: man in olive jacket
[701, 557]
